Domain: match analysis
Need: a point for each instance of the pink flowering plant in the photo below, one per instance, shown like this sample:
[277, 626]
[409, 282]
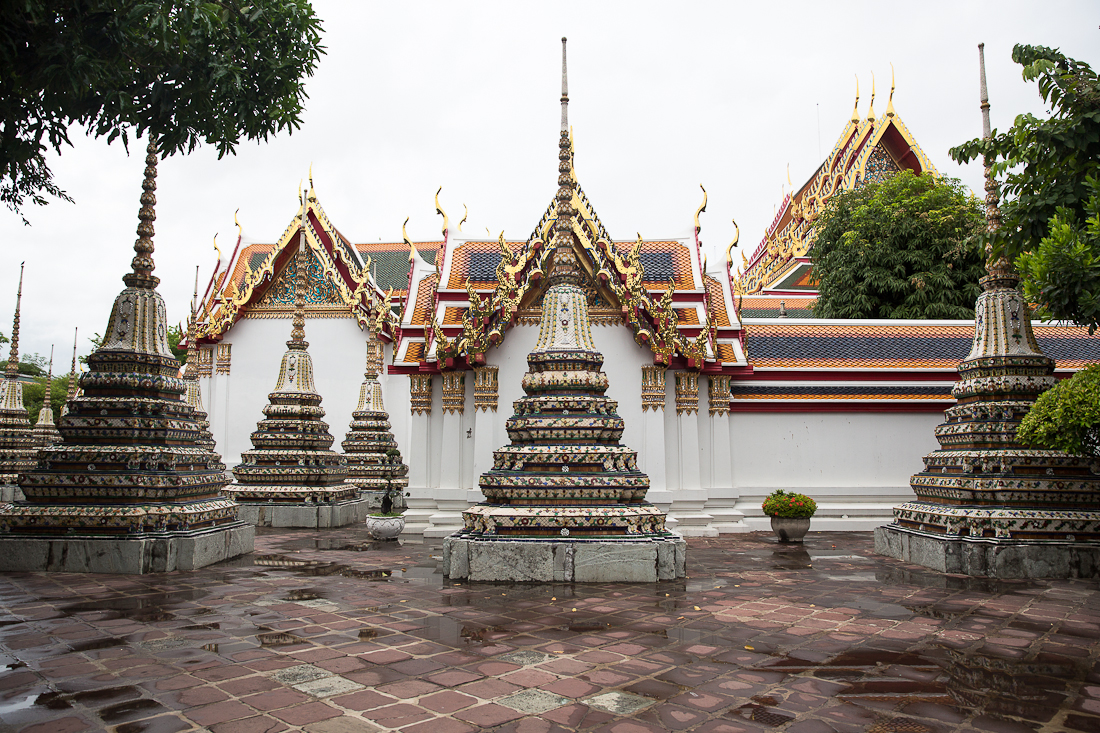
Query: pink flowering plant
[781, 504]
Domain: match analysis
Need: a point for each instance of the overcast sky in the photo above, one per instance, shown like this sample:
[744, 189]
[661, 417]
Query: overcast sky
[411, 96]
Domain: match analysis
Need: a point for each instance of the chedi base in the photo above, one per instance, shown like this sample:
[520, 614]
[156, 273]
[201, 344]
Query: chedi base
[149, 552]
[645, 560]
[989, 557]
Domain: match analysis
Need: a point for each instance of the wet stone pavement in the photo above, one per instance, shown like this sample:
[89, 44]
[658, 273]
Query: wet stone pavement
[327, 632]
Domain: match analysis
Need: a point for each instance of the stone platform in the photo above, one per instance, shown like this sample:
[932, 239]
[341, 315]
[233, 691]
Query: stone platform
[565, 561]
[988, 557]
[149, 553]
[329, 514]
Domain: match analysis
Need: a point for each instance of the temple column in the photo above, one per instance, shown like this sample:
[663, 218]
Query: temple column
[651, 457]
[450, 497]
[722, 496]
[486, 391]
[420, 503]
[689, 500]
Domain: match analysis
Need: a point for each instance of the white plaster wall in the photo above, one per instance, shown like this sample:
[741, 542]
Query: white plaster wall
[855, 465]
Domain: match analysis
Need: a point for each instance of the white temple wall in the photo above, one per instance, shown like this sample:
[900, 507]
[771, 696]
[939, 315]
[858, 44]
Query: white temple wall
[856, 466]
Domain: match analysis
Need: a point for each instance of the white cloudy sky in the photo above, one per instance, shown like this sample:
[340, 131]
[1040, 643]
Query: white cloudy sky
[411, 96]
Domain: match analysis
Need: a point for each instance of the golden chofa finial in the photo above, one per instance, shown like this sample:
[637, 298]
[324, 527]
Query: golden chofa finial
[405, 238]
[216, 248]
[736, 239]
[311, 175]
[871, 108]
[300, 199]
[700, 210]
[465, 213]
[890, 104]
[439, 210]
[855, 109]
[240, 229]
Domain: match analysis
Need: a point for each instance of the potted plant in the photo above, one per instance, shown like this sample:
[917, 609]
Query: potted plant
[790, 514]
[388, 522]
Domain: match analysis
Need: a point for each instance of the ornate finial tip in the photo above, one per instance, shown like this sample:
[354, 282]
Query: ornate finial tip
[563, 39]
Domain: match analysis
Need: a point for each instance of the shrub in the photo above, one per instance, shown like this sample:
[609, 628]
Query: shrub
[1067, 416]
[781, 504]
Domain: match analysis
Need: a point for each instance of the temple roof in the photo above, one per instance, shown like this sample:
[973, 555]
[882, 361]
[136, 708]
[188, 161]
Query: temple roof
[825, 364]
[459, 310]
[869, 148]
[255, 282]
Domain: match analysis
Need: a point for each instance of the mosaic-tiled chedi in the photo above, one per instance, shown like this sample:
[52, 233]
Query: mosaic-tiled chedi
[982, 487]
[291, 463]
[45, 430]
[128, 489]
[374, 461]
[565, 474]
[194, 391]
[16, 441]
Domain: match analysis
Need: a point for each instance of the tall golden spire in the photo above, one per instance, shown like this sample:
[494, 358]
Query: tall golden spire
[142, 276]
[13, 356]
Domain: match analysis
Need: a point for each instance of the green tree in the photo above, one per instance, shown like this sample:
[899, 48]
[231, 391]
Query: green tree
[175, 333]
[1048, 199]
[34, 395]
[900, 248]
[1066, 416]
[187, 71]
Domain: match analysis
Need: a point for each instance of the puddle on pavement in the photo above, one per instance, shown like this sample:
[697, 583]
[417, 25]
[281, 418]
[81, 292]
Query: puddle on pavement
[304, 594]
[148, 607]
[88, 646]
[126, 711]
[281, 639]
[420, 574]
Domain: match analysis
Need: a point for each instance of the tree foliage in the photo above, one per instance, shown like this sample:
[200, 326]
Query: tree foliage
[35, 392]
[186, 71]
[900, 248]
[1048, 199]
[1067, 416]
[1062, 275]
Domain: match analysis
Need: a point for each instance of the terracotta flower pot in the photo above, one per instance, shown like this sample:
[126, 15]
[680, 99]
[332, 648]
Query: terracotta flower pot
[385, 528]
[790, 529]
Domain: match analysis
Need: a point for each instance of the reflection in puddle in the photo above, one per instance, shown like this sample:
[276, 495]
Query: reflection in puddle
[279, 639]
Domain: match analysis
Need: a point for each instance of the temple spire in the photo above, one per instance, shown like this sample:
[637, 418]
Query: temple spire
[13, 356]
[142, 264]
[298, 331]
[70, 393]
[1001, 272]
[564, 91]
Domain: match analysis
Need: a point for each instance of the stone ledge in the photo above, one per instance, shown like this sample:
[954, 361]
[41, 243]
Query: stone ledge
[335, 514]
[126, 555]
[565, 561]
[984, 557]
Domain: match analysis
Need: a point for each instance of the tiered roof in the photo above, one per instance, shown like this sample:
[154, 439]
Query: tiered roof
[869, 148]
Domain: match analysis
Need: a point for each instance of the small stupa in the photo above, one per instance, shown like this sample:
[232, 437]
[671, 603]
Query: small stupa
[374, 461]
[191, 377]
[291, 477]
[45, 431]
[564, 501]
[987, 506]
[16, 443]
[127, 490]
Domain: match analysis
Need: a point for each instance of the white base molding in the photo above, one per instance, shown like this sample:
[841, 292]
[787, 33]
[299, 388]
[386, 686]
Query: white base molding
[334, 514]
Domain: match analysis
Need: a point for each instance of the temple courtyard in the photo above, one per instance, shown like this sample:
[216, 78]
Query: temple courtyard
[328, 632]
